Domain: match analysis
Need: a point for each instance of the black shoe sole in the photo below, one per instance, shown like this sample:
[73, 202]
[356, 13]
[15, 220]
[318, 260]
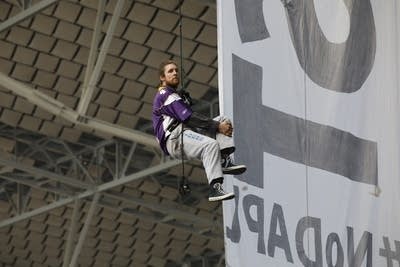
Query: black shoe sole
[236, 171]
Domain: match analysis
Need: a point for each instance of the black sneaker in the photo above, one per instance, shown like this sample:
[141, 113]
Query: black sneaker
[228, 167]
[217, 193]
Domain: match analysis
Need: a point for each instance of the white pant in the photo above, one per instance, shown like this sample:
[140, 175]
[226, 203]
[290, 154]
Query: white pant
[201, 147]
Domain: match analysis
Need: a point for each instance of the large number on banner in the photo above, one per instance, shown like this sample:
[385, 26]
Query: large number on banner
[340, 67]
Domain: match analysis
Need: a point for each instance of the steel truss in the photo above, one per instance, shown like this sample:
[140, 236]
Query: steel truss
[94, 173]
[92, 170]
[81, 170]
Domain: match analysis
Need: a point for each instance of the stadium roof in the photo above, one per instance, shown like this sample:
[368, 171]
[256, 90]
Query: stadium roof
[83, 181]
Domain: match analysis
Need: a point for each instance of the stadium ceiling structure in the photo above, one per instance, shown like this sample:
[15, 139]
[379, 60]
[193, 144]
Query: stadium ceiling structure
[83, 182]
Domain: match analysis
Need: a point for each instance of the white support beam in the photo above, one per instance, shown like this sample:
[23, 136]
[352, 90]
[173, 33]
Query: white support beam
[87, 92]
[71, 234]
[122, 209]
[26, 14]
[33, 184]
[20, 199]
[128, 159]
[95, 43]
[59, 109]
[81, 152]
[220, 260]
[43, 173]
[153, 218]
[90, 192]
[85, 229]
[165, 209]
[78, 162]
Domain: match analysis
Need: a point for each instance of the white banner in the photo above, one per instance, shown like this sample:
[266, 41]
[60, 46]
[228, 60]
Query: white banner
[313, 89]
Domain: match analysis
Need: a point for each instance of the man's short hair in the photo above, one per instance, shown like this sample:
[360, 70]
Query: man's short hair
[161, 69]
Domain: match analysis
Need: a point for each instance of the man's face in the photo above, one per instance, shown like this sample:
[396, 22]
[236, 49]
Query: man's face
[171, 76]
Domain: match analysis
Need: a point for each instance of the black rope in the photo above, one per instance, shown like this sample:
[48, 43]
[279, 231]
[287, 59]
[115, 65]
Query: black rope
[183, 185]
[181, 46]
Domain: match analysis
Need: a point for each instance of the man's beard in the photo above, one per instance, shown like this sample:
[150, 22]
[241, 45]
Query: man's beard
[173, 84]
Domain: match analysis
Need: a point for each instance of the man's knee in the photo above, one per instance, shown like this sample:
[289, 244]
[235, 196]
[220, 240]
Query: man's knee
[212, 145]
[222, 118]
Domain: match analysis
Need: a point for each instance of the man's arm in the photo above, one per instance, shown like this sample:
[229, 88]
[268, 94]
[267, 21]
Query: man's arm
[212, 127]
[197, 120]
[175, 107]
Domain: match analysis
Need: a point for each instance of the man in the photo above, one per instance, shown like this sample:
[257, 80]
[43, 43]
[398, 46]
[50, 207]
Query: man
[184, 133]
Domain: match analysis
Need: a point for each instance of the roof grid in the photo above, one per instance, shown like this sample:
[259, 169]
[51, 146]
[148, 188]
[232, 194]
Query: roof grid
[192, 9]
[68, 11]
[142, 13]
[49, 52]
[7, 49]
[165, 21]
[20, 35]
[5, 9]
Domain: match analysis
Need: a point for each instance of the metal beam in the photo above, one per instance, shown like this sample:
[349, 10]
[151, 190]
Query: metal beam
[172, 222]
[90, 192]
[95, 42]
[83, 233]
[71, 234]
[128, 159]
[11, 201]
[165, 209]
[78, 162]
[220, 260]
[26, 14]
[93, 49]
[43, 173]
[22, 198]
[82, 151]
[145, 216]
[121, 196]
[33, 184]
[87, 93]
[59, 109]
[37, 147]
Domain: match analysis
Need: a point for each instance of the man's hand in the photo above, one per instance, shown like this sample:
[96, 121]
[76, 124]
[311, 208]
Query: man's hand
[186, 97]
[225, 128]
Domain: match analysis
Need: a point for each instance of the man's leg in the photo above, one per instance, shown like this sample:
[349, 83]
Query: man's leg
[198, 146]
[227, 147]
[206, 149]
[225, 142]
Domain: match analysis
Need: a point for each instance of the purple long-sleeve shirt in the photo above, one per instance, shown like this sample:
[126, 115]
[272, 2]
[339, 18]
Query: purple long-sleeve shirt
[168, 107]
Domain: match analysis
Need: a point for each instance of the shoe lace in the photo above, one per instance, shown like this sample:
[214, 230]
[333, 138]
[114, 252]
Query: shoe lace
[226, 162]
[218, 188]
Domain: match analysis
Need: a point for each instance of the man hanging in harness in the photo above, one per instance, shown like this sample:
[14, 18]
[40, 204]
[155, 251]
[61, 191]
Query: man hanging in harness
[204, 139]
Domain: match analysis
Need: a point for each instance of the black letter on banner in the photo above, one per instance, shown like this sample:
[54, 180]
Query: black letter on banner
[274, 240]
[341, 67]
[304, 224]
[250, 20]
[234, 233]
[334, 238]
[364, 246]
[263, 129]
[256, 226]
